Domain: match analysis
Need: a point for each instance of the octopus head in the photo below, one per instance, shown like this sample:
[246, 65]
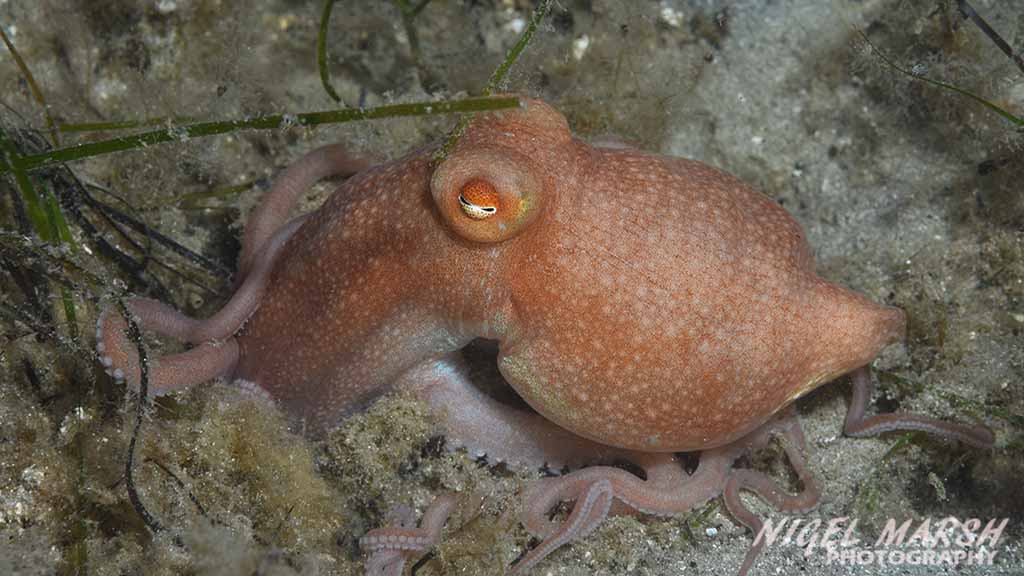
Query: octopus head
[498, 179]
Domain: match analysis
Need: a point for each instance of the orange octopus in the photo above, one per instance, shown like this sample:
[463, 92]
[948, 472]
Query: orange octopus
[642, 305]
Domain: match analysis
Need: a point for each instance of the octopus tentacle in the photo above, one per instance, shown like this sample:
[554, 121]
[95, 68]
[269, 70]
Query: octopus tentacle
[391, 547]
[247, 298]
[385, 563]
[217, 354]
[667, 491]
[637, 494]
[660, 471]
[277, 204]
[155, 316]
[769, 490]
[590, 510]
[119, 356]
[486, 426]
[859, 425]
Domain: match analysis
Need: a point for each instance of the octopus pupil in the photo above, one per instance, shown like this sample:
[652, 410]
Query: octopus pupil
[476, 209]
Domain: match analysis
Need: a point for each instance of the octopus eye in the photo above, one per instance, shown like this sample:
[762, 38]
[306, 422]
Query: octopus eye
[487, 194]
[479, 199]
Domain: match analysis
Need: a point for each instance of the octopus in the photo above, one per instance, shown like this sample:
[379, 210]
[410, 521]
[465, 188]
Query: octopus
[642, 305]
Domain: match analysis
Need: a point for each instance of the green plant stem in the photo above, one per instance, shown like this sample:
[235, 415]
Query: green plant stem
[409, 13]
[122, 125]
[271, 122]
[321, 50]
[499, 74]
[190, 199]
[513, 54]
[37, 94]
[62, 234]
[881, 56]
[50, 225]
[47, 220]
[33, 203]
[412, 11]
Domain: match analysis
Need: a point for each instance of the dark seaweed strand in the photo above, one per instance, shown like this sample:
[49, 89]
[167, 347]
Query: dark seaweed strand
[422, 562]
[42, 327]
[47, 221]
[53, 225]
[180, 483]
[53, 219]
[72, 194]
[29, 279]
[968, 11]
[135, 335]
[199, 505]
[25, 277]
[120, 220]
[116, 215]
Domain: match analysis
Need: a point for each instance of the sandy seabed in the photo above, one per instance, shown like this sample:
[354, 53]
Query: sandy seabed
[908, 193]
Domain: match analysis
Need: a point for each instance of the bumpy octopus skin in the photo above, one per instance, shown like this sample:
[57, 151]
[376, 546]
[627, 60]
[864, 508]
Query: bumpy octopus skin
[644, 304]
